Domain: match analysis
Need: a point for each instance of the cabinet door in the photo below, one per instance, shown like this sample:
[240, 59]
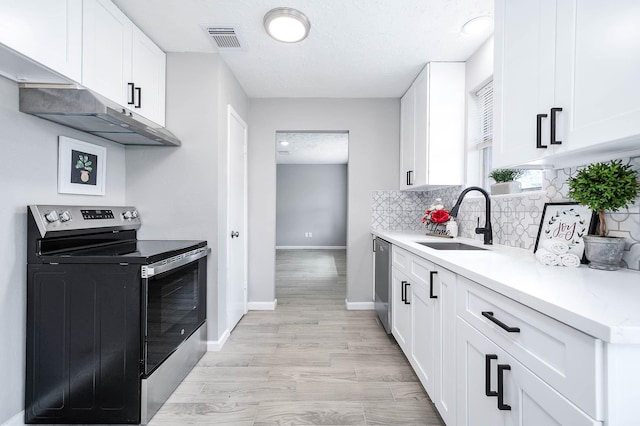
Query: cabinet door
[407, 138]
[106, 50]
[424, 317]
[526, 399]
[445, 373]
[401, 310]
[421, 128]
[597, 71]
[524, 66]
[148, 75]
[46, 31]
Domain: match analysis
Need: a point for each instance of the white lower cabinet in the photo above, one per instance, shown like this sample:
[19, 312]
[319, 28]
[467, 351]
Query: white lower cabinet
[487, 360]
[423, 323]
[495, 389]
[401, 310]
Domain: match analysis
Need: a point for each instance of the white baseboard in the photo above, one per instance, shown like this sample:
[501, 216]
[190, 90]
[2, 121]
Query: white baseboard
[310, 247]
[216, 345]
[262, 306]
[17, 420]
[359, 306]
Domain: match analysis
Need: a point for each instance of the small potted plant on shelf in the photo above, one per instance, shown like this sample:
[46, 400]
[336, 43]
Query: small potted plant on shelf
[506, 181]
[604, 186]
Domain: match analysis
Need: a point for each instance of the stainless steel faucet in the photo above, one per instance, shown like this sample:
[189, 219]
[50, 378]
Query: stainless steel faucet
[486, 231]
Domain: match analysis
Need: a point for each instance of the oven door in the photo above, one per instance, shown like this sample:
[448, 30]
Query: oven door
[174, 304]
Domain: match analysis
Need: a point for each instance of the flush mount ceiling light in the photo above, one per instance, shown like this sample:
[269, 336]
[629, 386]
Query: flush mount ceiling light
[286, 25]
[284, 143]
[477, 25]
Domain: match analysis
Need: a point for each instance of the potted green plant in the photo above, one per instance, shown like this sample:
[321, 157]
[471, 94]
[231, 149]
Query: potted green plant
[604, 187]
[506, 181]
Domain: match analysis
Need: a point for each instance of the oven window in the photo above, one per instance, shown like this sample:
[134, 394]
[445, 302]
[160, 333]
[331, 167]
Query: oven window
[174, 311]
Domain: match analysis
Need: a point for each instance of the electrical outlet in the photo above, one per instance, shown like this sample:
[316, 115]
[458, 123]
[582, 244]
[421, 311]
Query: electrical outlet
[310, 234]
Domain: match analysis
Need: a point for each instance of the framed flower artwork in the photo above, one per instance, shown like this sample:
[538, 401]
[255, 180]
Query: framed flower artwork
[81, 167]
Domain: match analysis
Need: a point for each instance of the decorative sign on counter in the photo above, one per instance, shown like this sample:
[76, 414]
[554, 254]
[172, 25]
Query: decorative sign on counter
[559, 241]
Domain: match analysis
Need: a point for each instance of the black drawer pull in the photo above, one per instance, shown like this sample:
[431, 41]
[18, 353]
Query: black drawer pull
[554, 111]
[431, 274]
[539, 118]
[402, 291]
[132, 95]
[501, 405]
[487, 375]
[410, 178]
[406, 295]
[139, 103]
[490, 317]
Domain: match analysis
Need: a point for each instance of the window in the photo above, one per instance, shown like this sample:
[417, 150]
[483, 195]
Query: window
[531, 179]
[484, 108]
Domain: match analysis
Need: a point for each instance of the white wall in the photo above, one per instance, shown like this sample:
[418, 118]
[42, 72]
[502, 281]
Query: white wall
[311, 198]
[176, 189]
[479, 72]
[374, 134]
[28, 175]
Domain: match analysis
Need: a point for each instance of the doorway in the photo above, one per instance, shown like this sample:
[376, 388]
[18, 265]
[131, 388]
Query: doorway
[311, 213]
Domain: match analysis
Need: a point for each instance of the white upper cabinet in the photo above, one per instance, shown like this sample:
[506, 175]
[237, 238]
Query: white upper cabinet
[565, 81]
[48, 32]
[120, 62]
[149, 76]
[432, 128]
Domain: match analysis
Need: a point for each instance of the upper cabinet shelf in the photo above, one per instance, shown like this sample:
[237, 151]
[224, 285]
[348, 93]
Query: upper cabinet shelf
[565, 82]
[432, 126]
[47, 32]
[90, 43]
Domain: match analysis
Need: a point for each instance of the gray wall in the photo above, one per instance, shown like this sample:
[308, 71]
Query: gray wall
[374, 134]
[311, 198]
[28, 175]
[198, 88]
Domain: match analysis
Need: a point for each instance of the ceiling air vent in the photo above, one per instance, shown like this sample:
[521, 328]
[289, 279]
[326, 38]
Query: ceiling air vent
[225, 38]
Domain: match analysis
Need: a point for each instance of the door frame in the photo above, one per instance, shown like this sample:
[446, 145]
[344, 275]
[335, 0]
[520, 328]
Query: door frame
[233, 114]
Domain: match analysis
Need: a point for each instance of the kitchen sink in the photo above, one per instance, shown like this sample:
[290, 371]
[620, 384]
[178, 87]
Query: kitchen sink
[450, 246]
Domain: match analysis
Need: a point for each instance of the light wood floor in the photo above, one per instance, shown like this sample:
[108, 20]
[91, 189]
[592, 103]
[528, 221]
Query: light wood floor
[308, 362]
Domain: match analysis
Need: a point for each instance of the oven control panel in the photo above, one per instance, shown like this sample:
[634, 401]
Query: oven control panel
[51, 218]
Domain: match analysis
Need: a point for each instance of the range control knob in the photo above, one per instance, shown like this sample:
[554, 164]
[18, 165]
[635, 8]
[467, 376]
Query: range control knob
[134, 214]
[127, 214]
[52, 216]
[65, 216]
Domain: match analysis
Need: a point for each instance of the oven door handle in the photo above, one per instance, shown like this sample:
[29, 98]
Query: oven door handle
[149, 271]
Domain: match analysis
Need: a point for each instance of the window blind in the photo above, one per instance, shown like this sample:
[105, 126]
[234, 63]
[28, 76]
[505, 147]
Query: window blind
[484, 99]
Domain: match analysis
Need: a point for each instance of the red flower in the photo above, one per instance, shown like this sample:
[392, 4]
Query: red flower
[439, 216]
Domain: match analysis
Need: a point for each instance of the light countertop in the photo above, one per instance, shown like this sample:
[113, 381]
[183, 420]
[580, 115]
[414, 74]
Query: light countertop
[603, 304]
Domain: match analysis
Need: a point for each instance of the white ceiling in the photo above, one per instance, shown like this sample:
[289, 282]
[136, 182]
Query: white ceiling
[356, 48]
[312, 148]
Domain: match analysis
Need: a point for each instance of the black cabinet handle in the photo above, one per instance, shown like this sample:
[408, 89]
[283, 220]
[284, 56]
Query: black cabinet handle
[431, 274]
[406, 295]
[501, 405]
[402, 289]
[132, 95]
[139, 103]
[487, 375]
[407, 180]
[490, 317]
[410, 178]
[539, 118]
[553, 140]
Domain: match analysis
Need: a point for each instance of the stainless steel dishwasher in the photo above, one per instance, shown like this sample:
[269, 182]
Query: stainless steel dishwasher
[382, 250]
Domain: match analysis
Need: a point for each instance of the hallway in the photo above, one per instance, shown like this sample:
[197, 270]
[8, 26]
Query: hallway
[308, 362]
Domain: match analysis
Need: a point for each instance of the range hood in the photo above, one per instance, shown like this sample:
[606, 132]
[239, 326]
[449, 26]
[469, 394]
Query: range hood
[84, 110]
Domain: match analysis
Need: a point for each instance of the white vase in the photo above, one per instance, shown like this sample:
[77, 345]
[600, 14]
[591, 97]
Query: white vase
[512, 187]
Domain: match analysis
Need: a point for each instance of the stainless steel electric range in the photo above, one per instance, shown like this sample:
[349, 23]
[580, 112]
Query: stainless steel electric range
[113, 323]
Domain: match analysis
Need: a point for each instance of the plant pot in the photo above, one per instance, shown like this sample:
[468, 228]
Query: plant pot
[512, 187]
[84, 175]
[603, 252]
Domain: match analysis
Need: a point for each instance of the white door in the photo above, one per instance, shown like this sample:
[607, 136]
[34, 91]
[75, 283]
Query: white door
[236, 218]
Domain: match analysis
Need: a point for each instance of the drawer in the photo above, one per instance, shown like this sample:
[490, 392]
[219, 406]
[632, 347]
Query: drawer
[400, 259]
[567, 359]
